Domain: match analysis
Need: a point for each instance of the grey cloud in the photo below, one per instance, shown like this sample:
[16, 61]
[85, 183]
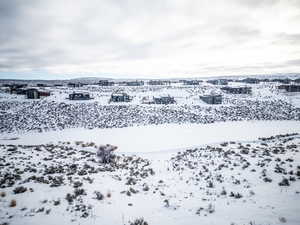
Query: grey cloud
[44, 34]
[240, 31]
[288, 38]
[257, 3]
[257, 67]
[294, 62]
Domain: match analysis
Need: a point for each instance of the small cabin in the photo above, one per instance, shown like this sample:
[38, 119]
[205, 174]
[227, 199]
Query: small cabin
[297, 80]
[212, 99]
[32, 93]
[283, 81]
[120, 97]
[79, 96]
[249, 80]
[237, 90]
[42, 85]
[191, 82]
[159, 82]
[19, 89]
[44, 93]
[164, 100]
[134, 83]
[290, 88]
[106, 83]
[218, 82]
[74, 85]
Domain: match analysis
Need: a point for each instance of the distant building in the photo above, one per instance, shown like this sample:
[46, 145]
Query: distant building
[134, 83]
[212, 99]
[237, 90]
[191, 82]
[264, 80]
[164, 100]
[218, 82]
[42, 85]
[297, 80]
[131, 83]
[32, 93]
[17, 85]
[290, 88]
[74, 85]
[120, 97]
[18, 89]
[249, 80]
[44, 93]
[79, 96]
[283, 81]
[106, 83]
[159, 82]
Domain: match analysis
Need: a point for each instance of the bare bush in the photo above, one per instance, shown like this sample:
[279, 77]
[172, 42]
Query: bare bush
[13, 203]
[105, 153]
[138, 221]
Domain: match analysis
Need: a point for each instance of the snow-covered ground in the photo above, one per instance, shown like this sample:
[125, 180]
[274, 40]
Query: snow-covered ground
[156, 138]
[187, 163]
[250, 182]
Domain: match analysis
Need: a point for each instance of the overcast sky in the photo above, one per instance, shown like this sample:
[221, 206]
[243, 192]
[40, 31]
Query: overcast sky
[148, 38]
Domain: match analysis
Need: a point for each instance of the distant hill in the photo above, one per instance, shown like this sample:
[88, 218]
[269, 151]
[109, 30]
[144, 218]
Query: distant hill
[91, 80]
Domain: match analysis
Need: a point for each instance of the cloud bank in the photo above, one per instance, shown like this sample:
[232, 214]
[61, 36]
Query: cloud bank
[141, 38]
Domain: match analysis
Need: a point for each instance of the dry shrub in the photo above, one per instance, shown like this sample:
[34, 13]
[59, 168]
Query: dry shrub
[13, 203]
[139, 221]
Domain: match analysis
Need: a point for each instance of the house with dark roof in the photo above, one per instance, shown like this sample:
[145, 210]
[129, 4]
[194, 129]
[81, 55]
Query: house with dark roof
[79, 96]
[164, 100]
[290, 87]
[237, 90]
[212, 99]
[120, 97]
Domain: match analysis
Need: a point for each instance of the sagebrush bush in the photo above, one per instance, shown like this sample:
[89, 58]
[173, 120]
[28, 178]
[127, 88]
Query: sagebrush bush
[138, 221]
[108, 195]
[99, 195]
[13, 203]
[105, 153]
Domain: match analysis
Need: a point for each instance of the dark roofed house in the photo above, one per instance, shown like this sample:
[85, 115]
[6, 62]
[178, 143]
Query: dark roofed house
[218, 82]
[191, 82]
[159, 82]
[73, 85]
[18, 89]
[32, 93]
[249, 80]
[283, 81]
[44, 93]
[237, 90]
[106, 83]
[164, 100]
[290, 88]
[134, 83]
[42, 85]
[79, 96]
[212, 99]
[120, 97]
